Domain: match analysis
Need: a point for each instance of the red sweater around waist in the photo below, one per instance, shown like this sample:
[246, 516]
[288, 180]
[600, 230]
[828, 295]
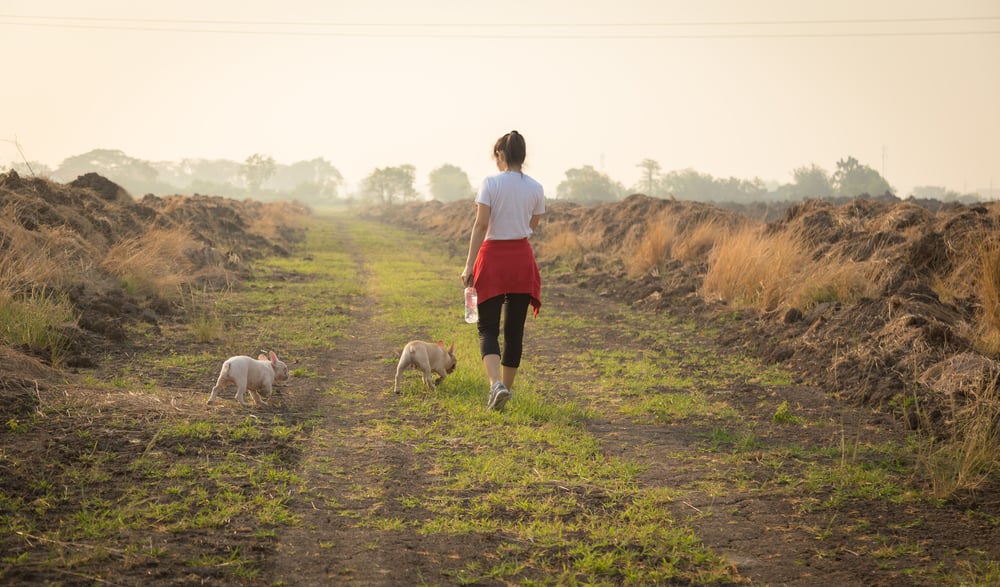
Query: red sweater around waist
[507, 266]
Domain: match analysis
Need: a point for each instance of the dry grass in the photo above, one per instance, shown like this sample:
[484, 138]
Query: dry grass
[653, 246]
[696, 243]
[154, 263]
[271, 218]
[831, 280]
[988, 330]
[47, 257]
[967, 459]
[567, 244]
[750, 268]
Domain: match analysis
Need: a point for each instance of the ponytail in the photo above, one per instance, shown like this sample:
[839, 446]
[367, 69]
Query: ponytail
[513, 148]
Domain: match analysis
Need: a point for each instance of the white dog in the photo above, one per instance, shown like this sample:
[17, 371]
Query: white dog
[427, 358]
[246, 373]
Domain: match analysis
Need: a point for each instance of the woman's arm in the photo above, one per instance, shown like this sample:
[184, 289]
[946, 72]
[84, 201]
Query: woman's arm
[476, 239]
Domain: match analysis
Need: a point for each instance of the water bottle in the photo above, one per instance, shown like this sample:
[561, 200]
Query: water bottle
[471, 305]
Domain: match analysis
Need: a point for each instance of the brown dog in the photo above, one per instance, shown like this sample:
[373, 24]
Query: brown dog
[427, 358]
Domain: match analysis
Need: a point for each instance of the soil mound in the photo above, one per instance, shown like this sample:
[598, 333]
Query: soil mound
[916, 336]
[57, 237]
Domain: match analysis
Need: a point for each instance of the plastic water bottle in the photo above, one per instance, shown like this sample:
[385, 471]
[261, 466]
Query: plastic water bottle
[471, 305]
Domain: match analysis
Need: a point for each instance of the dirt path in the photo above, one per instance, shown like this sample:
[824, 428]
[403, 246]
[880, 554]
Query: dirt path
[753, 492]
[354, 472]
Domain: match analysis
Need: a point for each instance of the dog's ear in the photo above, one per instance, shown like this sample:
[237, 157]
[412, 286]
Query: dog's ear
[441, 343]
[451, 349]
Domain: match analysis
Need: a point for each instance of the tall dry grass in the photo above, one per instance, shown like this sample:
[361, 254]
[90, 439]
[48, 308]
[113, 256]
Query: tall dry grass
[271, 219]
[663, 239]
[154, 263]
[988, 330]
[653, 247]
[752, 268]
[695, 243]
[969, 457]
[44, 258]
[568, 245]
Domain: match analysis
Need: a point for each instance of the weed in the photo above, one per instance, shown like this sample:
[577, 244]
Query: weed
[783, 415]
[38, 320]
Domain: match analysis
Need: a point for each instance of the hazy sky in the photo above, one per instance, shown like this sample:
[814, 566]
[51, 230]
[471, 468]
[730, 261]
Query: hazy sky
[730, 88]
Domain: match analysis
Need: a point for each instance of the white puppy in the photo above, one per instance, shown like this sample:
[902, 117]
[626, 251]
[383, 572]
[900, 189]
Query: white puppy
[427, 358]
[246, 373]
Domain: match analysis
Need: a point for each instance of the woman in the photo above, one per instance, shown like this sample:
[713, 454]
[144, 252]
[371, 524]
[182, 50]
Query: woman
[501, 263]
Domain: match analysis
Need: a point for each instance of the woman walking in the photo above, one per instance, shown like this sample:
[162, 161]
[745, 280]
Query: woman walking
[501, 263]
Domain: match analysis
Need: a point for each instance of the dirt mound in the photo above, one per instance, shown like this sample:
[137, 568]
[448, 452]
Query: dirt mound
[57, 238]
[903, 341]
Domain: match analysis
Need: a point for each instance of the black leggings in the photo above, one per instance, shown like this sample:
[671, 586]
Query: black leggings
[513, 327]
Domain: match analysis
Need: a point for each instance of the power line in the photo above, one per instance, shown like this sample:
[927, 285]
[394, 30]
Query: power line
[512, 24]
[540, 36]
[589, 30]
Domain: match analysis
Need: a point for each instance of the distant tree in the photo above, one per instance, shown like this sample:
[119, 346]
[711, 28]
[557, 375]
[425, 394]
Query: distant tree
[256, 170]
[586, 185]
[853, 179]
[35, 168]
[689, 184]
[313, 180]
[449, 183]
[649, 184]
[387, 185]
[316, 172]
[810, 182]
[135, 175]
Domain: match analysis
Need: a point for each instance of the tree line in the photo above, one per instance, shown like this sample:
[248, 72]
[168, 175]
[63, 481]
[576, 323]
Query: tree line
[317, 181]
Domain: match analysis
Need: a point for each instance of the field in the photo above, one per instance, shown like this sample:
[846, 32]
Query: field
[666, 427]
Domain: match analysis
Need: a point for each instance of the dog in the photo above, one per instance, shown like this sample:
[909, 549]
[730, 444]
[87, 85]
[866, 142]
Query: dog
[254, 374]
[427, 358]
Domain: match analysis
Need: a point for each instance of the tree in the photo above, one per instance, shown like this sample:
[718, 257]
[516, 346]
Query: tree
[650, 178]
[689, 184]
[810, 182]
[449, 183]
[386, 185]
[256, 170]
[135, 175]
[586, 185]
[853, 179]
[313, 180]
[28, 168]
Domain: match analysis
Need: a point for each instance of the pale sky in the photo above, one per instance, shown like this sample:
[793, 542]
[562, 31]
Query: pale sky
[727, 87]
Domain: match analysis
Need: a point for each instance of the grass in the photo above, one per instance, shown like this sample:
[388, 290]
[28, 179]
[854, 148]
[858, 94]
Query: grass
[37, 321]
[988, 285]
[153, 263]
[754, 268]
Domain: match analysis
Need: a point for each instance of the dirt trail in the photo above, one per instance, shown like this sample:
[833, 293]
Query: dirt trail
[354, 472]
[753, 506]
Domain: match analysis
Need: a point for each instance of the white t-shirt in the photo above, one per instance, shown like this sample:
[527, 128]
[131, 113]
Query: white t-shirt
[513, 199]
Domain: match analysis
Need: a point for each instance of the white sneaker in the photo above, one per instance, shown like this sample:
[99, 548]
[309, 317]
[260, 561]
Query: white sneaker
[499, 394]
